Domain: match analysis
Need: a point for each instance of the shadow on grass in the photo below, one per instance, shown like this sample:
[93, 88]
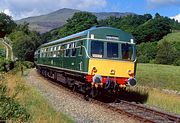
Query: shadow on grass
[134, 96]
[138, 95]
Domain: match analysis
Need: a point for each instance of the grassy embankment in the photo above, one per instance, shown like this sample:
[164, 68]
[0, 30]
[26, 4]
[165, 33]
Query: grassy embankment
[159, 76]
[155, 78]
[172, 37]
[2, 48]
[39, 109]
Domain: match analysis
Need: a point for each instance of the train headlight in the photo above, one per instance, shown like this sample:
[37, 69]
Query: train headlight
[97, 79]
[112, 72]
[94, 69]
[132, 81]
[131, 73]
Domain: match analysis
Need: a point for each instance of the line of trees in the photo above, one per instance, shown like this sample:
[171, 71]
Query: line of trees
[24, 42]
[148, 30]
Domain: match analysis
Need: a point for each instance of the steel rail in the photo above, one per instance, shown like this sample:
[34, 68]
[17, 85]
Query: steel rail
[144, 113]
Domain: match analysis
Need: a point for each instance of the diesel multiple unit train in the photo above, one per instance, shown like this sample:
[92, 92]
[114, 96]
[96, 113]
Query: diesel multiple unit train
[100, 58]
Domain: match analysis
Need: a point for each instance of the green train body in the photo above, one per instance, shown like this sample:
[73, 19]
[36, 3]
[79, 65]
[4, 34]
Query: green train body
[96, 55]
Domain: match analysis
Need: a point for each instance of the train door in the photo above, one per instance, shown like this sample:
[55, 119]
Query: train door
[79, 56]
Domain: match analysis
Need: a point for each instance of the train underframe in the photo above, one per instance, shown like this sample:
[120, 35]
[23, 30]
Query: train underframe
[82, 83]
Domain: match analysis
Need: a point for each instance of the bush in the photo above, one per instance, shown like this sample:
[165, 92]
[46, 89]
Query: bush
[166, 53]
[28, 64]
[10, 109]
[153, 61]
[142, 59]
[146, 52]
[177, 62]
[6, 65]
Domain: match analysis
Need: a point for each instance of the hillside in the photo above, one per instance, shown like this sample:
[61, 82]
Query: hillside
[47, 22]
[172, 37]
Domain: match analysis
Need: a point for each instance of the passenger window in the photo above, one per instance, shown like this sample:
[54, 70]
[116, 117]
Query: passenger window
[73, 50]
[67, 51]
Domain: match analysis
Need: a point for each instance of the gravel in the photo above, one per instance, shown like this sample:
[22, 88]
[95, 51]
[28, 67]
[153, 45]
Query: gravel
[80, 110]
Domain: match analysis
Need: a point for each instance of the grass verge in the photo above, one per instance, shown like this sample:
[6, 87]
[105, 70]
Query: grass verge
[155, 97]
[36, 105]
[159, 76]
[168, 102]
[155, 78]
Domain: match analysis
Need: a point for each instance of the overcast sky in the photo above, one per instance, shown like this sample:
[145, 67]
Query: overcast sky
[25, 8]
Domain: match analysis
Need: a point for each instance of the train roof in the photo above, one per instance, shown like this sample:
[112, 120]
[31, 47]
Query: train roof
[84, 33]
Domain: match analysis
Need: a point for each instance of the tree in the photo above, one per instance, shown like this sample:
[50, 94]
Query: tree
[6, 24]
[25, 42]
[166, 53]
[146, 52]
[79, 22]
[147, 17]
[127, 23]
[153, 30]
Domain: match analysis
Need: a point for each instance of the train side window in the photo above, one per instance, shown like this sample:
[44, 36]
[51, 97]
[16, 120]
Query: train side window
[51, 48]
[67, 50]
[54, 49]
[73, 49]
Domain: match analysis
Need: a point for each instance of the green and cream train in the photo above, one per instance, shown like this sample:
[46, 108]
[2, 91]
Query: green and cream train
[100, 58]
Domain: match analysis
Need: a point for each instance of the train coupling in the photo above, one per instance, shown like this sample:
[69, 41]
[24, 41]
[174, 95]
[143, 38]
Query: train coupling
[96, 85]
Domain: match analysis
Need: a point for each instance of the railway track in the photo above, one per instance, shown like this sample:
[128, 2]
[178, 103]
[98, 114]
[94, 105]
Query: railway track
[144, 113]
[136, 111]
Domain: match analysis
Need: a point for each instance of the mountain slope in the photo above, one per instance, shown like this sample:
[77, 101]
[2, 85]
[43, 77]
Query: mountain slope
[58, 18]
[49, 21]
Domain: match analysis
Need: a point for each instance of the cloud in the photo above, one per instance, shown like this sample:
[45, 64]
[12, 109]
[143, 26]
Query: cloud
[177, 17]
[25, 8]
[162, 3]
[7, 12]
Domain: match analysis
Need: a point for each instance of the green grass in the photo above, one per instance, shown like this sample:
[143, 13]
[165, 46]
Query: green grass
[155, 97]
[39, 109]
[1, 45]
[155, 77]
[3, 48]
[158, 76]
[172, 37]
[167, 102]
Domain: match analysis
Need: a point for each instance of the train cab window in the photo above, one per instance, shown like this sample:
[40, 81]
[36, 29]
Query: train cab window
[97, 49]
[112, 50]
[127, 51]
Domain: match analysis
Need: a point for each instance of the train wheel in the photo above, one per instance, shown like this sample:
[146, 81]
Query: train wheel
[70, 84]
[87, 92]
[94, 92]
